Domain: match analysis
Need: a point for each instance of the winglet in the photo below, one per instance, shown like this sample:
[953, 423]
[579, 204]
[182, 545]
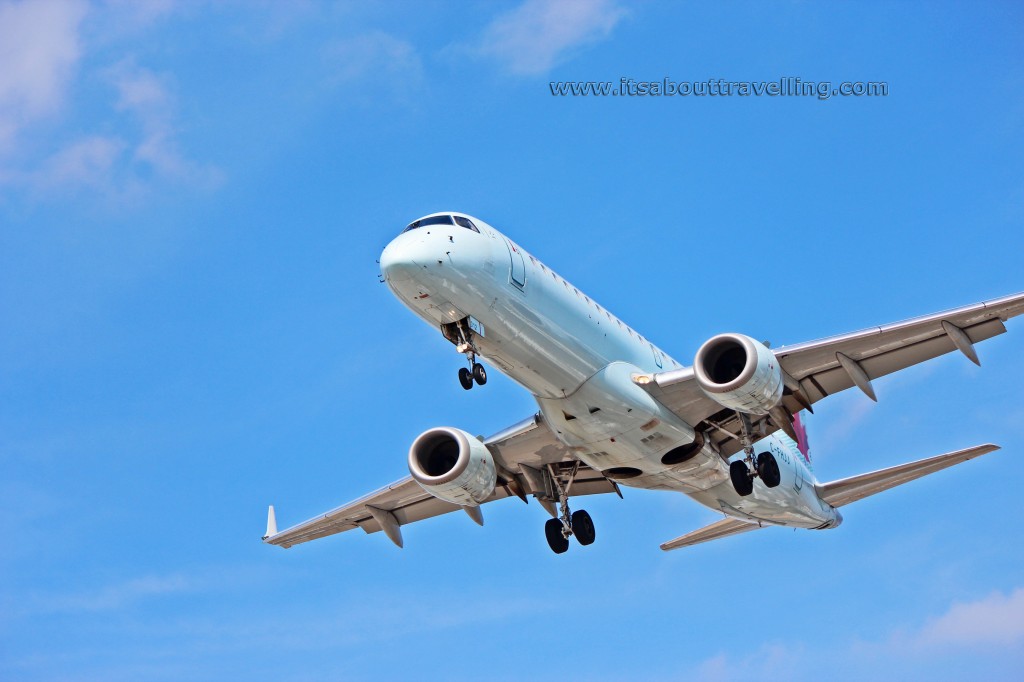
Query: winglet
[271, 523]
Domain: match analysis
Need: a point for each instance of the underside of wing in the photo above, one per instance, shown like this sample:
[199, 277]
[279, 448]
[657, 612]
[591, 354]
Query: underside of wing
[528, 458]
[847, 490]
[715, 531]
[403, 502]
[820, 368]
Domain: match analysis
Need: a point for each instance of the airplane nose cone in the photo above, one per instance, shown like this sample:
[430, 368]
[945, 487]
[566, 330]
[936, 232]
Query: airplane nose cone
[397, 261]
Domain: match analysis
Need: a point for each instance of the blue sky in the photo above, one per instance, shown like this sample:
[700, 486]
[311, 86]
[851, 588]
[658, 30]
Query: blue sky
[192, 199]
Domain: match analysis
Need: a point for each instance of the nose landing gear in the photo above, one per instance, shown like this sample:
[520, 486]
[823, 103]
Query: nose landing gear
[461, 334]
[475, 373]
[479, 373]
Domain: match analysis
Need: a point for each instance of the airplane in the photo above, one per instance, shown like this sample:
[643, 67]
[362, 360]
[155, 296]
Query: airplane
[615, 410]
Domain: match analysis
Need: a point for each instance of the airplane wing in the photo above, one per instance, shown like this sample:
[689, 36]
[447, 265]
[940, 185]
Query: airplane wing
[718, 529]
[522, 452]
[847, 490]
[817, 369]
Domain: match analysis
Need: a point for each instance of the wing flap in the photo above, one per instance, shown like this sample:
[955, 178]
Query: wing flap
[715, 531]
[875, 359]
[847, 490]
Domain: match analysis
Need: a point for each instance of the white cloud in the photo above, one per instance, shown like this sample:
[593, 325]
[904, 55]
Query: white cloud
[39, 49]
[995, 621]
[121, 167]
[375, 60]
[86, 162]
[112, 597]
[768, 662]
[146, 97]
[537, 35]
[852, 408]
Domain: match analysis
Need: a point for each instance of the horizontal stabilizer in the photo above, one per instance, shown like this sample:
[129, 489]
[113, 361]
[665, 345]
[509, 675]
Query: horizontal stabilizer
[719, 529]
[847, 490]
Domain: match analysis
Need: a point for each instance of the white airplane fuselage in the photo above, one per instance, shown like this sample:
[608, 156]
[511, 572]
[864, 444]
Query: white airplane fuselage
[578, 360]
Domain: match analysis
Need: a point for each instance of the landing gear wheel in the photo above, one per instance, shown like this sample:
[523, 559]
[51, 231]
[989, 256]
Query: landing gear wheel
[741, 479]
[583, 527]
[479, 373]
[768, 469]
[465, 378]
[553, 532]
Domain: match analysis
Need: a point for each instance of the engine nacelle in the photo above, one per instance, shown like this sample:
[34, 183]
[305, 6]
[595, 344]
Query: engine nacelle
[453, 466]
[739, 373]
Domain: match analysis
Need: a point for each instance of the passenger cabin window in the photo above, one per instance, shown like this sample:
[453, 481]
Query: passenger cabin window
[432, 220]
[466, 223]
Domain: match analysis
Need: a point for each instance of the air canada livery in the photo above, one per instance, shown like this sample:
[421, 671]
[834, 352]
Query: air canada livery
[615, 410]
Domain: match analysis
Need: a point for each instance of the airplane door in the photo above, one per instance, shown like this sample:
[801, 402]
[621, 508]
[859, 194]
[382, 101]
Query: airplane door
[517, 271]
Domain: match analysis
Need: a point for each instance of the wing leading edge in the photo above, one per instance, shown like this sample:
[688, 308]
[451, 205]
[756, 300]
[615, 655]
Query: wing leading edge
[816, 369]
[522, 451]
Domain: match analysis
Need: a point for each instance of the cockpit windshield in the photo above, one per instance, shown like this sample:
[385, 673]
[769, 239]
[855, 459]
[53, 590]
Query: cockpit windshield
[466, 223]
[432, 220]
[442, 220]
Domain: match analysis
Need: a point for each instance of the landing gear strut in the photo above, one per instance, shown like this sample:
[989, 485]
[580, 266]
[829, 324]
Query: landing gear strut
[743, 471]
[475, 372]
[577, 523]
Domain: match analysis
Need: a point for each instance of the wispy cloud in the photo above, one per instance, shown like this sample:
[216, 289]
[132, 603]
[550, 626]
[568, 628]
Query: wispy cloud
[992, 626]
[852, 408]
[995, 621]
[378, 62]
[769, 662]
[111, 597]
[87, 162]
[539, 34]
[144, 96]
[39, 51]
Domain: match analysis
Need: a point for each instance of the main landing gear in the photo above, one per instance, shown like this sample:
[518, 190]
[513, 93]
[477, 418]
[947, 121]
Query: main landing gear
[743, 471]
[577, 523]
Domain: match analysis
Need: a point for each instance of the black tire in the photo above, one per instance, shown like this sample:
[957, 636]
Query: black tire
[465, 378]
[553, 532]
[768, 469]
[479, 373]
[741, 479]
[583, 527]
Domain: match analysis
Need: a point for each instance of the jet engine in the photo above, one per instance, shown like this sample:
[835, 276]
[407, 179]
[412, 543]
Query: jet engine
[453, 466]
[739, 373]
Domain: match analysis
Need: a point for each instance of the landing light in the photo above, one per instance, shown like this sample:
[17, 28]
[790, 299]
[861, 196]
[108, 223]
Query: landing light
[642, 379]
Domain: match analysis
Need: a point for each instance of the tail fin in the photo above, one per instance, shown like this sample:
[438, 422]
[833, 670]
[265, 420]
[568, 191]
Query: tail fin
[802, 444]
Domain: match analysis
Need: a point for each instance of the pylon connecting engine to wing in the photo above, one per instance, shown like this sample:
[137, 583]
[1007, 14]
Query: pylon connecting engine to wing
[453, 466]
